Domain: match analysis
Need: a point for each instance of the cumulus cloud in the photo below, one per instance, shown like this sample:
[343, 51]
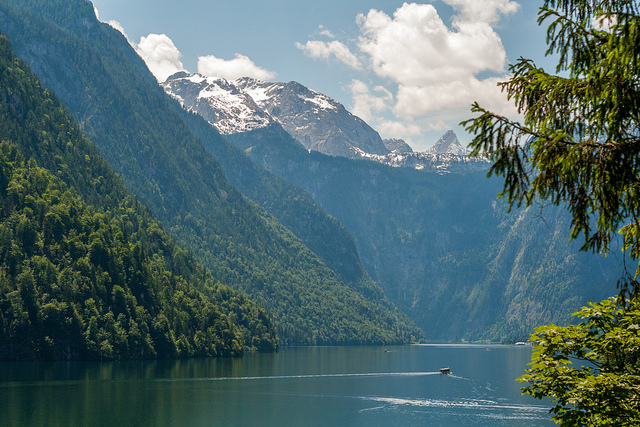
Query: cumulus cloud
[240, 66]
[118, 26]
[487, 11]
[604, 23]
[325, 50]
[416, 50]
[432, 70]
[113, 23]
[366, 103]
[160, 54]
[164, 59]
[400, 128]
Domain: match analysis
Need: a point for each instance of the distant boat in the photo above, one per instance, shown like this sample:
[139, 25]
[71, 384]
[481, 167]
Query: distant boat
[445, 370]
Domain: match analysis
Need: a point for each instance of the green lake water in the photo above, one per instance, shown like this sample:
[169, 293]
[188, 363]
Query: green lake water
[305, 386]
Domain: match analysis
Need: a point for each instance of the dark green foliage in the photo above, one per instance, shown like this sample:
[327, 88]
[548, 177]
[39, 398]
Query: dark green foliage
[140, 132]
[72, 286]
[120, 253]
[293, 206]
[578, 147]
[590, 370]
[579, 143]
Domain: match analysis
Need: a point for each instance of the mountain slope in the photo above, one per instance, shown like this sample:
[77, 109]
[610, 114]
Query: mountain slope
[435, 240]
[316, 121]
[446, 252]
[103, 282]
[435, 244]
[138, 129]
[448, 144]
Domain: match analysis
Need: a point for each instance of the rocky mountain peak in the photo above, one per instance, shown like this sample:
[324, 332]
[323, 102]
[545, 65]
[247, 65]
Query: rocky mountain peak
[448, 144]
[220, 102]
[396, 145]
[315, 120]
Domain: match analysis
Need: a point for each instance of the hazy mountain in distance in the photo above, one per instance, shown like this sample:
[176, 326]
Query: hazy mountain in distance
[448, 144]
[397, 145]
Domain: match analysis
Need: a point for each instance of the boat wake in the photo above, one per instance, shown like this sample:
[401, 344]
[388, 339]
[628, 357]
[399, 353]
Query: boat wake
[462, 403]
[419, 407]
[475, 407]
[284, 377]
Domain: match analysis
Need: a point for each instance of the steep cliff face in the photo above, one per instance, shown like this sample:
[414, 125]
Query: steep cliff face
[397, 145]
[446, 252]
[221, 103]
[314, 120]
[317, 121]
[429, 231]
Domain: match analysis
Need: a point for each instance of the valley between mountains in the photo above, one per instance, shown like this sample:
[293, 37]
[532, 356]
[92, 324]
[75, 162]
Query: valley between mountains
[206, 217]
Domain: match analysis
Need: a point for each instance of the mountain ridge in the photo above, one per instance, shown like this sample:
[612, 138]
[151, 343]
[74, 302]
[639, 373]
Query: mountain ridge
[86, 271]
[316, 121]
[146, 139]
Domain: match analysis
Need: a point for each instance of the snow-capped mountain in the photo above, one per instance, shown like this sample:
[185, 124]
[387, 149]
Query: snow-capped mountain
[433, 162]
[445, 156]
[448, 144]
[218, 101]
[315, 120]
[397, 145]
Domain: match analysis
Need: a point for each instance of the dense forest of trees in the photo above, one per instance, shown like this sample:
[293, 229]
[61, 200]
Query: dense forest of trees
[73, 286]
[166, 166]
[78, 281]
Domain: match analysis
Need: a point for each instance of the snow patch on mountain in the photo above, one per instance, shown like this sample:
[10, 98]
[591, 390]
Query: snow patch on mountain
[321, 101]
[448, 144]
[219, 101]
[441, 163]
[316, 121]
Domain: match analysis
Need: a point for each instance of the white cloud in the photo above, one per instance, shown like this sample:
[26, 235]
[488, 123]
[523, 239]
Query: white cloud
[402, 129]
[415, 101]
[118, 26]
[365, 103]
[604, 23]
[113, 23]
[323, 50]
[435, 68]
[160, 54]
[324, 31]
[240, 66]
[487, 11]
[415, 48]
[433, 71]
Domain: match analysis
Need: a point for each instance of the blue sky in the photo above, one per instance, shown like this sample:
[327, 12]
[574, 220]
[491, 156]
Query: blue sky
[411, 70]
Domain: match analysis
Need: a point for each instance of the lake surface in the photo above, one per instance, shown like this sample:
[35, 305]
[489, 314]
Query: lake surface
[306, 386]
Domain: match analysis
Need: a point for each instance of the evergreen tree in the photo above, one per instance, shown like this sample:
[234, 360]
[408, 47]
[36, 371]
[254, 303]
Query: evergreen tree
[579, 146]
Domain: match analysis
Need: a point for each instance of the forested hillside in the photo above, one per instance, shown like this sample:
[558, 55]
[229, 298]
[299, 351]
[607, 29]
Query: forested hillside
[443, 248]
[104, 282]
[166, 166]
